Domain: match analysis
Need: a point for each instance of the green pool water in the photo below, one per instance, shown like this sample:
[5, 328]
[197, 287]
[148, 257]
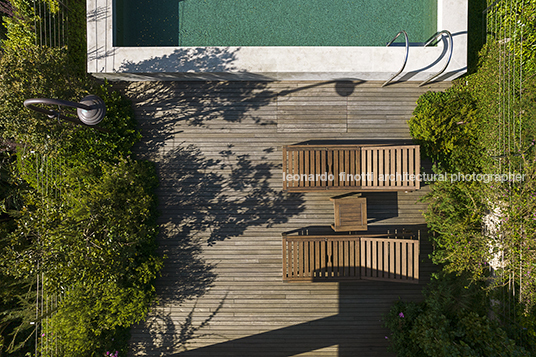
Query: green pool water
[271, 22]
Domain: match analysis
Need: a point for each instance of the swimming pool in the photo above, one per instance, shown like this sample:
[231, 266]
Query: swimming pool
[188, 23]
[156, 54]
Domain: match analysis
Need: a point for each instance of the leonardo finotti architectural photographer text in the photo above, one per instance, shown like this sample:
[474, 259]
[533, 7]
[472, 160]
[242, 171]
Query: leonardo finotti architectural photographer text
[406, 176]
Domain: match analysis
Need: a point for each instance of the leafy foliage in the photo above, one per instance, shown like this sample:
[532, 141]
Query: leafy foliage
[36, 72]
[100, 248]
[478, 224]
[17, 296]
[77, 209]
[451, 321]
[76, 37]
[454, 213]
[90, 230]
[446, 125]
[85, 218]
[19, 24]
[517, 31]
[517, 229]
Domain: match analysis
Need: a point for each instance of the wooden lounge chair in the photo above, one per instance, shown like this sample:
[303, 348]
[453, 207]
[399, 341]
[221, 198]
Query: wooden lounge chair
[351, 168]
[319, 258]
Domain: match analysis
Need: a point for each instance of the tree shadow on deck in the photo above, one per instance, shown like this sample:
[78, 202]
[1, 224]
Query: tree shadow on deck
[352, 332]
[207, 193]
[165, 337]
[220, 199]
[169, 108]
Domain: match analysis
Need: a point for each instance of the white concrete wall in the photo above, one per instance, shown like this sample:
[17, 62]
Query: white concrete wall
[274, 63]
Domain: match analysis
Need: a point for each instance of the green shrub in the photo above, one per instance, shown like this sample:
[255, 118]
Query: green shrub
[87, 216]
[77, 208]
[44, 73]
[454, 213]
[36, 72]
[451, 321]
[20, 30]
[446, 125]
[91, 232]
[98, 146]
[110, 229]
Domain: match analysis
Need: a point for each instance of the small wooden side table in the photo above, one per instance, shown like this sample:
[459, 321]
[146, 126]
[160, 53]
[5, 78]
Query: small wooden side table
[350, 213]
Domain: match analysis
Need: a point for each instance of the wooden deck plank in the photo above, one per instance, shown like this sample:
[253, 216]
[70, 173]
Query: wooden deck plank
[201, 134]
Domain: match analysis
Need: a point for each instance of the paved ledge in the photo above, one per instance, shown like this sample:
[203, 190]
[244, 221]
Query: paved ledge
[274, 63]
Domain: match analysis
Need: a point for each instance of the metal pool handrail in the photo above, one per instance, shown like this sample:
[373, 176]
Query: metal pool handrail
[405, 59]
[433, 38]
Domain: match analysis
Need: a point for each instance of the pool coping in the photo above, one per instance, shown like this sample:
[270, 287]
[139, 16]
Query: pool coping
[274, 63]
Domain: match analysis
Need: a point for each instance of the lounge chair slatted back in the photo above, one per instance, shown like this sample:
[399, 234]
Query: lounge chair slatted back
[351, 168]
[350, 257]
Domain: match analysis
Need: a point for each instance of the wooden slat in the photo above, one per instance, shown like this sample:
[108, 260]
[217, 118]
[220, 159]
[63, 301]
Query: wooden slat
[411, 167]
[368, 254]
[416, 254]
[378, 161]
[404, 260]
[296, 168]
[325, 258]
[285, 259]
[321, 165]
[386, 259]
[374, 250]
[294, 260]
[340, 258]
[392, 260]
[307, 162]
[363, 167]
[398, 266]
[350, 156]
[363, 259]
[301, 165]
[379, 267]
[322, 258]
[405, 170]
[398, 167]
[285, 168]
[370, 169]
[392, 153]
[417, 167]
[318, 166]
[347, 263]
[410, 260]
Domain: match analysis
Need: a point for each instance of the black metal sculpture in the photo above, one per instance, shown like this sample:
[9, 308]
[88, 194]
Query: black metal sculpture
[90, 110]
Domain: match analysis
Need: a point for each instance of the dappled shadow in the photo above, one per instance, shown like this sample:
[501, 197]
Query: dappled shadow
[185, 273]
[166, 337]
[218, 182]
[168, 108]
[99, 53]
[352, 331]
[97, 14]
[205, 202]
[189, 59]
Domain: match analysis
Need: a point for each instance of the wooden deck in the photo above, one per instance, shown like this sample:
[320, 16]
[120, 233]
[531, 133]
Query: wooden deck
[218, 148]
